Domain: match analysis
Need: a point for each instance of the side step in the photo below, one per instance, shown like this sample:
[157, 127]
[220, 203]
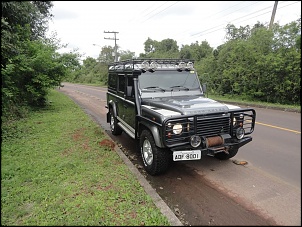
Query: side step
[125, 129]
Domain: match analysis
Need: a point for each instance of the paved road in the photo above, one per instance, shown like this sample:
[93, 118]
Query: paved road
[266, 191]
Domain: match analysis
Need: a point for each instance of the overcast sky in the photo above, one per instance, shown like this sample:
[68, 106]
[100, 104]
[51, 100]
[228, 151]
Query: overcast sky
[80, 24]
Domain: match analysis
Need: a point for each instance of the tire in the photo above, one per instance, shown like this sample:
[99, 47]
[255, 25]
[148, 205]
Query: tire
[156, 160]
[115, 129]
[224, 156]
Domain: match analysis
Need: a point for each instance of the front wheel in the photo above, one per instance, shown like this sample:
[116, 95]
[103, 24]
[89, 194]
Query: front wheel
[155, 159]
[225, 156]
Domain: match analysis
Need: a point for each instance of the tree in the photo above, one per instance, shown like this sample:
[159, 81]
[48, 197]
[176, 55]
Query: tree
[185, 52]
[258, 64]
[106, 55]
[30, 64]
[195, 51]
[17, 16]
[166, 48]
[150, 46]
[124, 55]
[233, 33]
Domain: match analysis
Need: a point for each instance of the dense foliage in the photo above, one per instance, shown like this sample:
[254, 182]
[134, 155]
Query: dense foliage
[30, 65]
[256, 63]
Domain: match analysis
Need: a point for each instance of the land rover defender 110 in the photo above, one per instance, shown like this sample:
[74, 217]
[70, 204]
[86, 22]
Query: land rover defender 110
[161, 104]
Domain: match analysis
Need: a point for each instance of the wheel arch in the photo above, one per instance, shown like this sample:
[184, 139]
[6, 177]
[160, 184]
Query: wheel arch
[111, 105]
[154, 131]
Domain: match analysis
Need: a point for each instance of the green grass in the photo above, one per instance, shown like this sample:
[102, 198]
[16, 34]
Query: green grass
[242, 101]
[55, 170]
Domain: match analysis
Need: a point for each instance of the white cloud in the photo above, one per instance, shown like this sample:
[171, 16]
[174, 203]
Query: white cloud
[82, 23]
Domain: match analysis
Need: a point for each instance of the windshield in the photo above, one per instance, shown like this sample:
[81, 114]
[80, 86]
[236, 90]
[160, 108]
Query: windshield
[169, 80]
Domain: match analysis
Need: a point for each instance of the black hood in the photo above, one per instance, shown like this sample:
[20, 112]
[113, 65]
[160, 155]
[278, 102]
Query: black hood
[188, 105]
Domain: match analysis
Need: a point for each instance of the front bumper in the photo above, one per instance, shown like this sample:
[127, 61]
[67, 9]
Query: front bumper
[211, 151]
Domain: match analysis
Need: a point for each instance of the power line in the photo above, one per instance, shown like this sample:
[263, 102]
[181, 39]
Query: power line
[155, 9]
[233, 20]
[160, 11]
[239, 21]
[143, 12]
[207, 17]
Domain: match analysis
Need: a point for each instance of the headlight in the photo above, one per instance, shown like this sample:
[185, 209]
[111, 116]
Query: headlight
[177, 128]
[153, 65]
[239, 133]
[234, 121]
[181, 65]
[238, 120]
[195, 141]
[145, 65]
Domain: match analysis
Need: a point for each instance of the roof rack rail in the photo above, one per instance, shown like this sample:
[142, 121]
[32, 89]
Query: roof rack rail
[133, 63]
[149, 60]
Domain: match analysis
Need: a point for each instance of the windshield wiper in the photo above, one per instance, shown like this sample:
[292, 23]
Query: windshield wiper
[154, 87]
[183, 87]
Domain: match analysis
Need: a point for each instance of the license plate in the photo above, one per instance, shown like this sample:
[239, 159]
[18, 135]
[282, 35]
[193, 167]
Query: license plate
[186, 155]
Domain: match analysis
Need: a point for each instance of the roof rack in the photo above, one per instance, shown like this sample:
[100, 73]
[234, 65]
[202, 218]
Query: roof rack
[150, 63]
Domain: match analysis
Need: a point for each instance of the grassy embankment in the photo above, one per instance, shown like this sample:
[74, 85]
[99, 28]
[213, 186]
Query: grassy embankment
[57, 168]
[240, 101]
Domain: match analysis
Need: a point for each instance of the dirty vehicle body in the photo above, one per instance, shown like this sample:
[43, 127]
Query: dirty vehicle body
[161, 104]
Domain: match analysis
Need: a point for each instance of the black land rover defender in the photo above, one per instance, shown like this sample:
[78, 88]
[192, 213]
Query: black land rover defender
[161, 104]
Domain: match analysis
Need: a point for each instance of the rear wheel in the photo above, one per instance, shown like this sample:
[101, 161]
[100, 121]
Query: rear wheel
[225, 156]
[115, 129]
[156, 160]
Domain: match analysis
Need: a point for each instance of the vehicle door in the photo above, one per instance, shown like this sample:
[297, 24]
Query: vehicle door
[129, 104]
[121, 99]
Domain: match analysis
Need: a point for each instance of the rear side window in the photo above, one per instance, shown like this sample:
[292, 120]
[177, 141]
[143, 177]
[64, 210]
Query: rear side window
[112, 81]
[121, 83]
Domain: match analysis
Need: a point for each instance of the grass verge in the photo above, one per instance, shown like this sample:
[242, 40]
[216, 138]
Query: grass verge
[241, 101]
[59, 168]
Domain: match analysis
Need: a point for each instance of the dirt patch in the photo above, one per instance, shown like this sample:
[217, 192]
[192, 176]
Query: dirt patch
[78, 134]
[107, 143]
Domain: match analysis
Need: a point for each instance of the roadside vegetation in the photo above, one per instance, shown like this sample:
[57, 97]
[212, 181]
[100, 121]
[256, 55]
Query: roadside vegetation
[54, 168]
[238, 100]
[58, 168]
[258, 63]
[255, 63]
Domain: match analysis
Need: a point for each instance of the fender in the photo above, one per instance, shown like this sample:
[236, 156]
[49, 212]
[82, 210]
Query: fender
[155, 132]
[112, 105]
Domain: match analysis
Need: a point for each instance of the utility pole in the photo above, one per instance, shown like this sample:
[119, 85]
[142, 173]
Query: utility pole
[115, 47]
[273, 15]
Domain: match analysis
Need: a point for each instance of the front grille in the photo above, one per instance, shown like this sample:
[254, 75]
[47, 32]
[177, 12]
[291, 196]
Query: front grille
[211, 126]
[208, 125]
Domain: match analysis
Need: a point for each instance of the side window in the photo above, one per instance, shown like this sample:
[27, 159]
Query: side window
[130, 81]
[112, 81]
[130, 87]
[121, 83]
